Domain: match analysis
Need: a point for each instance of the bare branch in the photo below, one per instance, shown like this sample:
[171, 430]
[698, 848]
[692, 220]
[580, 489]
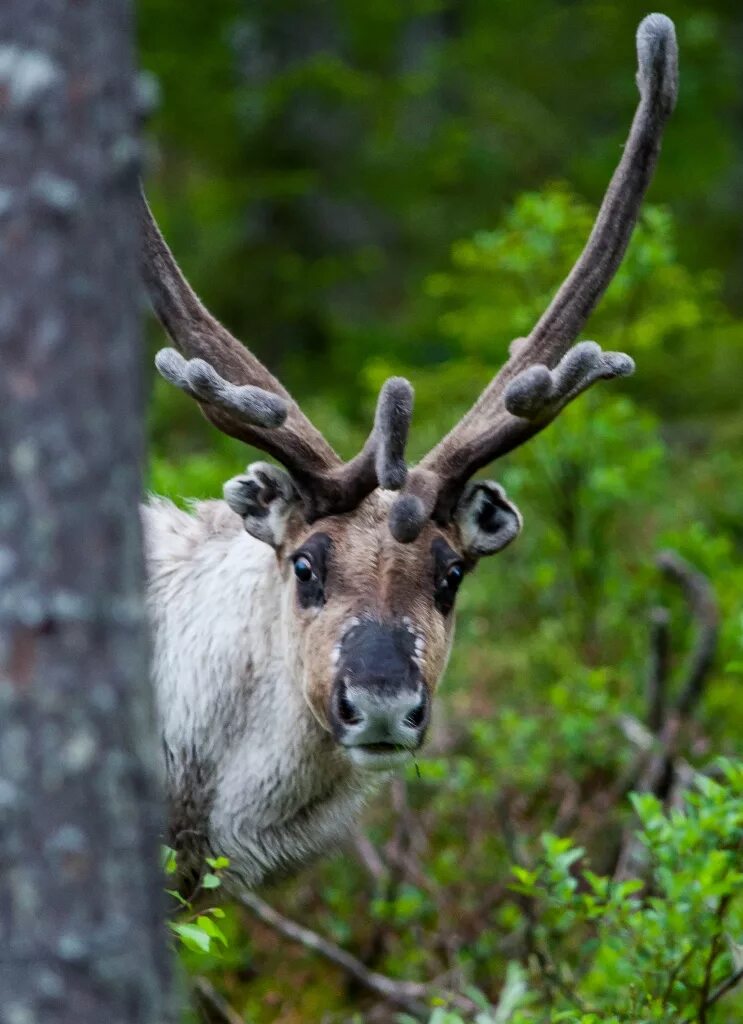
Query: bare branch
[723, 988]
[370, 857]
[651, 746]
[215, 1006]
[412, 996]
[660, 769]
[657, 682]
[714, 949]
[702, 603]
[657, 769]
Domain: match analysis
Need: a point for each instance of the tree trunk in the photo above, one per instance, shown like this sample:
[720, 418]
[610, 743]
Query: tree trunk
[81, 924]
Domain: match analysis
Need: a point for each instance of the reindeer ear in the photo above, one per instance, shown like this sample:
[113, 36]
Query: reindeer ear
[487, 520]
[265, 499]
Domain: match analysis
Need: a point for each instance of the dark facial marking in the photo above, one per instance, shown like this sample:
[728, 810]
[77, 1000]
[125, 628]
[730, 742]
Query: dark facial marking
[379, 656]
[493, 514]
[257, 495]
[310, 563]
[448, 573]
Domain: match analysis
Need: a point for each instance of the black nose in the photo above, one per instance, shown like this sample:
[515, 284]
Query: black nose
[364, 716]
[379, 697]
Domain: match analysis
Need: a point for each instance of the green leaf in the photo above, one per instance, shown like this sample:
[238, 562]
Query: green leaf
[177, 896]
[168, 860]
[212, 929]
[192, 936]
[218, 863]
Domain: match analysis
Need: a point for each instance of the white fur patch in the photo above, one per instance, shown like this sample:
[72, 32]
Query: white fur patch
[229, 700]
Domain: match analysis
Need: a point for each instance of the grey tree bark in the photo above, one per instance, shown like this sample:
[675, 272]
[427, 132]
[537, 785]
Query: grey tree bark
[81, 924]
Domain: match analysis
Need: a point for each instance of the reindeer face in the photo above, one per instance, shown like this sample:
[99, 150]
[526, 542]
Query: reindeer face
[371, 619]
[374, 622]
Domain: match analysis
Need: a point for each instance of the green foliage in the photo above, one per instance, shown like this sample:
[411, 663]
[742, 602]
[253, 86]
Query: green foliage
[635, 952]
[196, 926]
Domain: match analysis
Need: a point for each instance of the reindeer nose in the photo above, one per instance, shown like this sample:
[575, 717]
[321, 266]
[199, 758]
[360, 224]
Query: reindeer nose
[379, 719]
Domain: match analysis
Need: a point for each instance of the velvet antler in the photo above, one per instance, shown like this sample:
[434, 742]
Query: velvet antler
[243, 399]
[543, 373]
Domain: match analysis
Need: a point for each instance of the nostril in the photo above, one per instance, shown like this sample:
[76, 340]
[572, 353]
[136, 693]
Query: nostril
[414, 719]
[347, 713]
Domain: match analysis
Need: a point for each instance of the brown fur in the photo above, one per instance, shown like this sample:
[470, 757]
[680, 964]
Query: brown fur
[370, 575]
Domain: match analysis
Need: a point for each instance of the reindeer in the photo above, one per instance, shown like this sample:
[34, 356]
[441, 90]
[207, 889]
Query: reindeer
[301, 626]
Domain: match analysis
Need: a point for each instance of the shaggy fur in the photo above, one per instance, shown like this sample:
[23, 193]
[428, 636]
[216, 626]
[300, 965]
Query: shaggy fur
[242, 678]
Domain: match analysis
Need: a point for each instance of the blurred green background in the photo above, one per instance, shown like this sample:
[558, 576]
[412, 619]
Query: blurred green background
[363, 189]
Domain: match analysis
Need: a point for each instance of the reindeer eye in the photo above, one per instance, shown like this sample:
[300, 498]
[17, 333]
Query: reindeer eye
[447, 587]
[310, 565]
[454, 576]
[303, 569]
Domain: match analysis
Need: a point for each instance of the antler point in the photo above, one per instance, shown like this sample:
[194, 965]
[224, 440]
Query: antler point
[620, 363]
[391, 425]
[657, 56]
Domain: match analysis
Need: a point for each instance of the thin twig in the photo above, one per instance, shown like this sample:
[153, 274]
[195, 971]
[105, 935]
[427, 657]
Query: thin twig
[403, 852]
[714, 949]
[413, 996]
[215, 1005]
[655, 750]
[370, 857]
[702, 603]
[659, 769]
[724, 987]
[569, 809]
[660, 760]
[675, 971]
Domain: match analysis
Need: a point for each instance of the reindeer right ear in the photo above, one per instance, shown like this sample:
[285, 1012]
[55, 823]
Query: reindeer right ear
[265, 499]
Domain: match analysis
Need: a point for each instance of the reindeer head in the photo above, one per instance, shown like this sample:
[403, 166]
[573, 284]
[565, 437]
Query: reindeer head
[372, 553]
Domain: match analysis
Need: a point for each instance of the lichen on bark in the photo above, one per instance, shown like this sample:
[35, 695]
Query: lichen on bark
[81, 925]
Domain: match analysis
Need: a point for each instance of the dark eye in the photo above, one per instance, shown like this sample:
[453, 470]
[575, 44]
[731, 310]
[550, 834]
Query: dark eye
[310, 565]
[454, 577]
[446, 589]
[303, 569]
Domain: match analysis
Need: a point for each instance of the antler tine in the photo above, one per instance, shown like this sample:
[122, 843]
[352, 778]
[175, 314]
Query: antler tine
[538, 394]
[391, 427]
[201, 381]
[657, 81]
[243, 399]
[234, 389]
[539, 378]
[196, 333]
[381, 462]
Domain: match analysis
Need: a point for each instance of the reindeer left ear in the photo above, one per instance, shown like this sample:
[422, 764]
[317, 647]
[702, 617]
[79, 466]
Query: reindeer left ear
[265, 499]
[487, 520]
